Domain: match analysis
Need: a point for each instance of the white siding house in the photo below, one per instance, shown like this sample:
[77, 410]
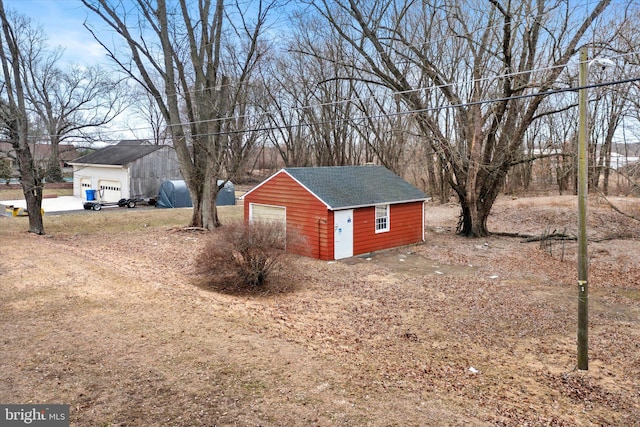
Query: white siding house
[126, 170]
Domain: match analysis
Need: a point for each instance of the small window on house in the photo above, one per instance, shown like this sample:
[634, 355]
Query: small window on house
[382, 218]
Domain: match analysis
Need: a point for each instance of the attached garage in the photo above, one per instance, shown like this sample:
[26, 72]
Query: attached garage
[340, 211]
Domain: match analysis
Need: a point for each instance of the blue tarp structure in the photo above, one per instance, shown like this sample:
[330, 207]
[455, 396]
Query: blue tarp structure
[227, 195]
[175, 194]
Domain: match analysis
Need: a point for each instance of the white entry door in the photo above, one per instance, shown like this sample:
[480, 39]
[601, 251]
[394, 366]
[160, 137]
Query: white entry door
[343, 234]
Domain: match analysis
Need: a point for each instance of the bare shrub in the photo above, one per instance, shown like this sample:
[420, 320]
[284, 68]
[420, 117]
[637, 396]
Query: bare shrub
[242, 256]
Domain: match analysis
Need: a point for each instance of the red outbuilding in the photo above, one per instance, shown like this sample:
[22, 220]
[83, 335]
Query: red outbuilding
[340, 211]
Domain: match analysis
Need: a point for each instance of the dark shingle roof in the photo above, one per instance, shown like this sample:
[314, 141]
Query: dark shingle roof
[117, 155]
[343, 187]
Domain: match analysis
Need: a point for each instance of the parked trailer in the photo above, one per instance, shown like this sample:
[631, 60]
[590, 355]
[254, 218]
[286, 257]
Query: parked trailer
[129, 203]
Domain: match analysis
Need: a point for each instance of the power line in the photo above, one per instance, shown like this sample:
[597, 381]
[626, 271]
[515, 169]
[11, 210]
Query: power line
[431, 109]
[352, 100]
[424, 110]
[495, 26]
[378, 116]
[420, 89]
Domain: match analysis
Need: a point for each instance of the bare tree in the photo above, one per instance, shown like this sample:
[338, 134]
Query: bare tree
[287, 95]
[72, 103]
[492, 64]
[607, 112]
[387, 134]
[313, 95]
[610, 104]
[243, 128]
[13, 112]
[193, 58]
[145, 110]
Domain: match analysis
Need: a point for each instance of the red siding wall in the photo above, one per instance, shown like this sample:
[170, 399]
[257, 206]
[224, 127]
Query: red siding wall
[306, 215]
[311, 219]
[405, 227]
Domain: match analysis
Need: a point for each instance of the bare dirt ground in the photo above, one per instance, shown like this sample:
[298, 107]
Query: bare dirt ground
[105, 314]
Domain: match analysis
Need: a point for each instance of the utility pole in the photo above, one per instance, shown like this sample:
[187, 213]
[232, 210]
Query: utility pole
[583, 261]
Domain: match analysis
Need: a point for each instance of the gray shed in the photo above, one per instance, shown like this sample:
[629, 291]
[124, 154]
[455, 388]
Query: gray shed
[175, 194]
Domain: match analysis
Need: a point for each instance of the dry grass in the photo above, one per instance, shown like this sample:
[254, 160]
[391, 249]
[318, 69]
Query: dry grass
[17, 194]
[115, 220]
[104, 313]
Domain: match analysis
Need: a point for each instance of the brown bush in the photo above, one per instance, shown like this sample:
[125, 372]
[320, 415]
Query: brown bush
[241, 256]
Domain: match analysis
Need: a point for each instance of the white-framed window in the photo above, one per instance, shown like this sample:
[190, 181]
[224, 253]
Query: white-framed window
[382, 218]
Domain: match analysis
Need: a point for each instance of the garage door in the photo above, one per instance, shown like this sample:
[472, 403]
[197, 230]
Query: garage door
[268, 213]
[109, 190]
[85, 184]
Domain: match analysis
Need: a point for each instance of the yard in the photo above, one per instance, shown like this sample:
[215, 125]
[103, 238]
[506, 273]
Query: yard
[105, 313]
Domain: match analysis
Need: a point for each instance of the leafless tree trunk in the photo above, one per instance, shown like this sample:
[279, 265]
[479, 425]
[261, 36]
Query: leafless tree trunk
[186, 44]
[314, 94]
[602, 163]
[526, 43]
[16, 119]
[285, 133]
[386, 133]
[330, 114]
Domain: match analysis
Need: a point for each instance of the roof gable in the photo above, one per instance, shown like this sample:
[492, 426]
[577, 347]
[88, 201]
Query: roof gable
[343, 187]
[117, 155]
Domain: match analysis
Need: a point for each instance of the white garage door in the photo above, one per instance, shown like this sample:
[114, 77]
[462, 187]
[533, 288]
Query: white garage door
[85, 184]
[109, 190]
[268, 213]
